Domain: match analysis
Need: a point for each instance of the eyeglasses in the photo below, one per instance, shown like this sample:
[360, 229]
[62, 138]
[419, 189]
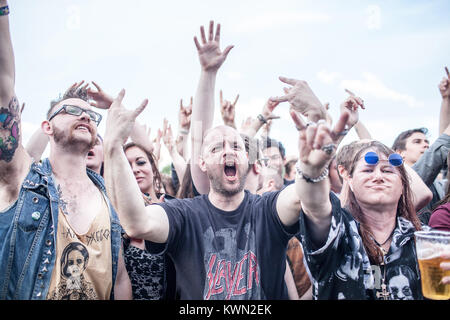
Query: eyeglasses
[394, 159]
[76, 111]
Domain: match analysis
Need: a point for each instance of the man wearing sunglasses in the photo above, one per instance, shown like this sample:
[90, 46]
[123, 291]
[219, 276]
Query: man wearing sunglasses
[50, 207]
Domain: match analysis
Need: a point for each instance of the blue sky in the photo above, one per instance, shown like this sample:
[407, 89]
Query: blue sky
[391, 53]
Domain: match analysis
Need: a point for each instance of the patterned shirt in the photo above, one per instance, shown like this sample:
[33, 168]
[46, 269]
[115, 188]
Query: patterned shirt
[341, 269]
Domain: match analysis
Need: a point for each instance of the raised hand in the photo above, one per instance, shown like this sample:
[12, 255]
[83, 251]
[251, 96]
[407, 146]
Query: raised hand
[209, 53]
[157, 142]
[168, 136]
[246, 124]
[444, 86]
[228, 110]
[267, 111]
[352, 103]
[265, 131]
[184, 115]
[317, 142]
[120, 121]
[102, 100]
[78, 86]
[141, 135]
[302, 99]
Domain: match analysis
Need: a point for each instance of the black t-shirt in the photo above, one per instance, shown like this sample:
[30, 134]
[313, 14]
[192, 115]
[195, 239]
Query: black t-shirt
[341, 269]
[223, 255]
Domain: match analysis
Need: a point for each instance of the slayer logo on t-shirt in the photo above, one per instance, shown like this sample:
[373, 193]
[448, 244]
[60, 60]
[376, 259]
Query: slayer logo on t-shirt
[232, 272]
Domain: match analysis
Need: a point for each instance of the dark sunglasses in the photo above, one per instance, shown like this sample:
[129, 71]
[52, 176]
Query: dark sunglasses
[76, 111]
[394, 159]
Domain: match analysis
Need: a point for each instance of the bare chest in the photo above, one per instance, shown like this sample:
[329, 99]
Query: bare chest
[80, 205]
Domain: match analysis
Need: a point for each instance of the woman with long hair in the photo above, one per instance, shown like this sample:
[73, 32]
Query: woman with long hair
[151, 272]
[351, 252]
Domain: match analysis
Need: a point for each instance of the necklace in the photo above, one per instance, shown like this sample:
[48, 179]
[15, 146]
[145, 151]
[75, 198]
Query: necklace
[384, 294]
[380, 245]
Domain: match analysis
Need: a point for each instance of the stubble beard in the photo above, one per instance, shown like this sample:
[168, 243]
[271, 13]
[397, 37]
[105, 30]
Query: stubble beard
[218, 186]
[68, 141]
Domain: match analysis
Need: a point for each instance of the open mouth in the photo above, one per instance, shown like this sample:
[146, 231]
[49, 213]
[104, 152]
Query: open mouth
[91, 153]
[230, 170]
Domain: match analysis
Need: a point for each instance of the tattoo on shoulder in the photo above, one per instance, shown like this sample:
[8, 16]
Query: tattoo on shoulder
[9, 130]
[62, 203]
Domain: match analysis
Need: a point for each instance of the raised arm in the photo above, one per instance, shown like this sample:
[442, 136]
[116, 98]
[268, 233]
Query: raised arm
[422, 195]
[36, 144]
[302, 99]
[444, 88]
[184, 125]
[228, 110]
[138, 221]
[352, 103]
[211, 59]
[7, 67]
[262, 119]
[14, 160]
[178, 161]
[317, 145]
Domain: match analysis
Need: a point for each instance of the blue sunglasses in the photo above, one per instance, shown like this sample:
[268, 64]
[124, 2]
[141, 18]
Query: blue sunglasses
[394, 159]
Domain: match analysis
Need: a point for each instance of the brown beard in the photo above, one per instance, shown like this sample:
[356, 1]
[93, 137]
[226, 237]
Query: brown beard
[68, 141]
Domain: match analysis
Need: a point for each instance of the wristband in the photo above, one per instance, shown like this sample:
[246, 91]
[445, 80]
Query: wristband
[4, 11]
[183, 131]
[261, 118]
[321, 177]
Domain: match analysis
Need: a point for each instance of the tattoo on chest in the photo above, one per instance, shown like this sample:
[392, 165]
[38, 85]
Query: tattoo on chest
[9, 130]
[62, 203]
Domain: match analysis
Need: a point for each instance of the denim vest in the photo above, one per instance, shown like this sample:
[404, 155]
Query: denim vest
[28, 233]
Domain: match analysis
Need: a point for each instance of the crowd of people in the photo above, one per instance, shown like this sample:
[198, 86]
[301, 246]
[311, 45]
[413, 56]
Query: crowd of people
[237, 218]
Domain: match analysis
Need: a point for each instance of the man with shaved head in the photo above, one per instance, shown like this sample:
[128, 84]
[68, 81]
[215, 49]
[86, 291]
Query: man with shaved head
[227, 243]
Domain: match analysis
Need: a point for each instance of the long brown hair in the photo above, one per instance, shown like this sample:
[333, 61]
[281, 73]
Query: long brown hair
[405, 206]
[186, 189]
[157, 181]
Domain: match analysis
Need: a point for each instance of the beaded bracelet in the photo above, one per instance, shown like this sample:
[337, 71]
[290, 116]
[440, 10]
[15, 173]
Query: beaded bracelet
[4, 11]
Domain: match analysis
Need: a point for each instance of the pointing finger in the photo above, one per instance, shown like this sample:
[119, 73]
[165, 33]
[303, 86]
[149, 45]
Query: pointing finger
[119, 98]
[349, 92]
[235, 100]
[341, 123]
[280, 99]
[290, 81]
[299, 123]
[141, 108]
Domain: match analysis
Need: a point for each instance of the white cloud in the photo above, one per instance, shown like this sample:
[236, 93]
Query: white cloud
[373, 17]
[372, 86]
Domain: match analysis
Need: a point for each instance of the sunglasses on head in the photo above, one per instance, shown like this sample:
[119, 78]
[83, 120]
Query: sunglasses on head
[394, 159]
[76, 111]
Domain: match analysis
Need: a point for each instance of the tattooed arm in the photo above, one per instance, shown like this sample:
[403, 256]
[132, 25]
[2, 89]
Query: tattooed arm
[14, 161]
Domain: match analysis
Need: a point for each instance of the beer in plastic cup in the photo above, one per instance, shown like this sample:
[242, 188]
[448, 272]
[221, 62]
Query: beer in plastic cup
[430, 245]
